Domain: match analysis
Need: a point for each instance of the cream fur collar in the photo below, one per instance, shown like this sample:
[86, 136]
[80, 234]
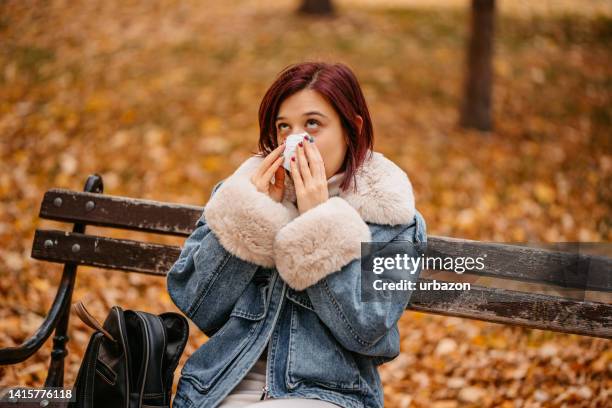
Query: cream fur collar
[307, 247]
[383, 195]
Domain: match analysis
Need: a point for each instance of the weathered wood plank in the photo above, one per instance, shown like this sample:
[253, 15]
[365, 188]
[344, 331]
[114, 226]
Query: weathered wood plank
[566, 269]
[104, 252]
[119, 212]
[531, 310]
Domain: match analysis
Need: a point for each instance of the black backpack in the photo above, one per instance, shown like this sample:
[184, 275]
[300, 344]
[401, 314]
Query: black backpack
[130, 360]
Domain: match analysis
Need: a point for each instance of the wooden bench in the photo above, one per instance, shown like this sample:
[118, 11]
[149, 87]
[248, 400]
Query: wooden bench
[508, 266]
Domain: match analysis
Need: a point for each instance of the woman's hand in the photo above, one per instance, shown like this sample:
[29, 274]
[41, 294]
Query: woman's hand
[308, 174]
[271, 165]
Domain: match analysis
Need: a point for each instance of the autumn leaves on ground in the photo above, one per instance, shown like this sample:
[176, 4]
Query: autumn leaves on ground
[161, 99]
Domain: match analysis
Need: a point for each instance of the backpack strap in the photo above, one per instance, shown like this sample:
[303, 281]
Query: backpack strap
[88, 319]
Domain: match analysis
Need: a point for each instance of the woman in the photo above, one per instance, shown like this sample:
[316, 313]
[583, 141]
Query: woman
[272, 272]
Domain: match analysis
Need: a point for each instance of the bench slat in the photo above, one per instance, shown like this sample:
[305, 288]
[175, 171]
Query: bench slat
[490, 304]
[119, 212]
[104, 252]
[566, 269]
[531, 310]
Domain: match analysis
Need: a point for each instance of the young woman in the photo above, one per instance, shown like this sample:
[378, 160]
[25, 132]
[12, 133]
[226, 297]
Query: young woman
[272, 271]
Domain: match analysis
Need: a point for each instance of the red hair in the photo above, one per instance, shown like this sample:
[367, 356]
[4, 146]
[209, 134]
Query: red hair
[336, 83]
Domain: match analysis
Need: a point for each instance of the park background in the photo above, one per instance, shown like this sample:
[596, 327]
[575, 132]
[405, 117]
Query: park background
[161, 99]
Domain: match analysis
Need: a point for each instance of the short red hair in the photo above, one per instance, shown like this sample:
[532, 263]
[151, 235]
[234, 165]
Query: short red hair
[339, 85]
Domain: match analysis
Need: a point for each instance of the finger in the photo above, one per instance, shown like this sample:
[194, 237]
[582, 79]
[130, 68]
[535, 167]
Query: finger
[303, 164]
[267, 176]
[313, 160]
[297, 177]
[279, 177]
[321, 161]
[270, 159]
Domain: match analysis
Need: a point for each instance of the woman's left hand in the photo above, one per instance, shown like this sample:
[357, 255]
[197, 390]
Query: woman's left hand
[308, 174]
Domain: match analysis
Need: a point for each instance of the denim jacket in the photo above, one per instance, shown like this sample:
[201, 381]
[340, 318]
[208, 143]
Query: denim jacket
[255, 272]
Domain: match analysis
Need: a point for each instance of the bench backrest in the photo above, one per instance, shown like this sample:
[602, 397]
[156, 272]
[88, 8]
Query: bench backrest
[506, 265]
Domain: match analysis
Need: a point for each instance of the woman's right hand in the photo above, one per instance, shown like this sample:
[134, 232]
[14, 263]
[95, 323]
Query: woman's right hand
[271, 165]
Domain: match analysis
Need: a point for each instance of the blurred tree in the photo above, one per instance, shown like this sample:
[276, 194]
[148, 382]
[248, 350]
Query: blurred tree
[476, 106]
[320, 7]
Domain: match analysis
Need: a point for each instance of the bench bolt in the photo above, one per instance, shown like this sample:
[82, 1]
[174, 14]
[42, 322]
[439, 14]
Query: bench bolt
[57, 202]
[76, 248]
[48, 243]
[89, 205]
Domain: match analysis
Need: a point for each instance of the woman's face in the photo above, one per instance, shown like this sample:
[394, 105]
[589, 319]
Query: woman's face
[308, 111]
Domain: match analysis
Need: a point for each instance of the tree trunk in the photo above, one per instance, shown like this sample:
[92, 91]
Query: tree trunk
[476, 106]
[319, 7]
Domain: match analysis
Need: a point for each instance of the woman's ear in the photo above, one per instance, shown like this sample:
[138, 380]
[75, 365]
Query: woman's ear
[359, 123]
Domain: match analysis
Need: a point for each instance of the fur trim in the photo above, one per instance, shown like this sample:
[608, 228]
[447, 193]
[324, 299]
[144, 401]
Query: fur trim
[246, 220]
[318, 242]
[383, 193]
[307, 247]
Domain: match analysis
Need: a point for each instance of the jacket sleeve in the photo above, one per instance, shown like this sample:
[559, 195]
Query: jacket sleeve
[303, 259]
[364, 327]
[245, 220]
[206, 280]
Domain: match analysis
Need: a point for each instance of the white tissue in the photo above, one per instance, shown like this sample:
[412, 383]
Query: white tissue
[290, 146]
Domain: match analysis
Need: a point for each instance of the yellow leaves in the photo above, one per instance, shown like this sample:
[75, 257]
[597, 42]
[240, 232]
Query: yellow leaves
[447, 198]
[5, 184]
[466, 218]
[20, 156]
[212, 163]
[37, 371]
[12, 260]
[64, 114]
[502, 67]
[478, 340]
[214, 145]
[210, 125]
[517, 234]
[446, 346]
[164, 297]
[473, 395]
[128, 117]
[10, 329]
[417, 315]
[68, 163]
[544, 193]
[603, 363]
[155, 137]
[488, 202]
[497, 341]
[98, 102]
[40, 284]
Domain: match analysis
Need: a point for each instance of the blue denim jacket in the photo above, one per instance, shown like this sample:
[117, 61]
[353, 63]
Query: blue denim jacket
[323, 341]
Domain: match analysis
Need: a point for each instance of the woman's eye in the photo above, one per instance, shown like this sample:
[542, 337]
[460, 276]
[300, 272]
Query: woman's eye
[313, 122]
[281, 126]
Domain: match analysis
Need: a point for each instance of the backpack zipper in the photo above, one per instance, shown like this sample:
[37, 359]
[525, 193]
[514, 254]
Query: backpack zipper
[146, 364]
